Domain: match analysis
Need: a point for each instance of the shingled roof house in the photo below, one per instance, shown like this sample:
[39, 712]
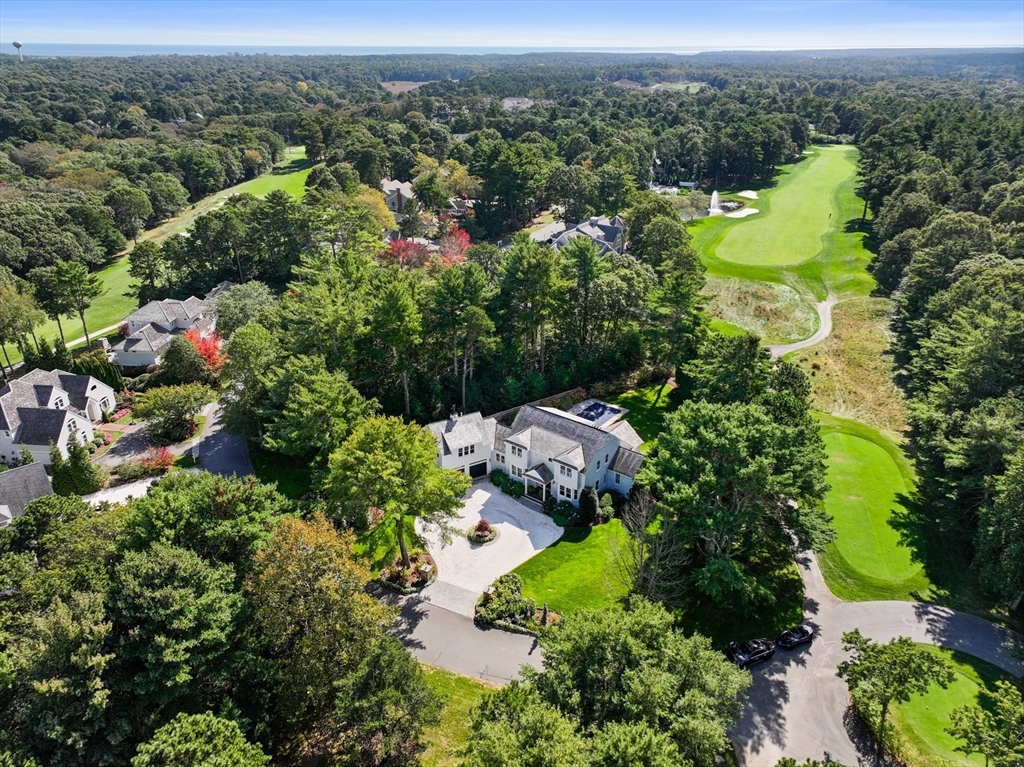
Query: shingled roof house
[397, 195]
[47, 406]
[608, 233]
[553, 452]
[19, 487]
[153, 326]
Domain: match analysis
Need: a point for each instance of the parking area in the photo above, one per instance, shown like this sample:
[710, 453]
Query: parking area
[465, 570]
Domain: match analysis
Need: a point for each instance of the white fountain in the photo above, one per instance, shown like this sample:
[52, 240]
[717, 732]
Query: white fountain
[713, 209]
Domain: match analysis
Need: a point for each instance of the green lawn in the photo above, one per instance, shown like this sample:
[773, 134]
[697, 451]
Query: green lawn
[796, 216]
[922, 722]
[727, 328]
[380, 547]
[460, 695]
[113, 305]
[869, 476]
[647, 410]
[294, 478]
[577, 571]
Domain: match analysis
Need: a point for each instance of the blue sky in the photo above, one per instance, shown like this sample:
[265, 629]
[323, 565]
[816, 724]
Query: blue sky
[565, 24]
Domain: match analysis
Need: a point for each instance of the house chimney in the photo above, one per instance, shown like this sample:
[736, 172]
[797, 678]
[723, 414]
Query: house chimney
[453, 415]
[593, 220]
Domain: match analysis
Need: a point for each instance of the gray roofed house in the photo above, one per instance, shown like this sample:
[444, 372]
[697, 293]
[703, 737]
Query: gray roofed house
[19, 487]
[45, 406]
[397, 195]
[553, 452]
[154, 326]
[608, 233]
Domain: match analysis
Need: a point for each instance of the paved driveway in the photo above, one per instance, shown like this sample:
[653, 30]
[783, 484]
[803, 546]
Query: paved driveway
[465, 570]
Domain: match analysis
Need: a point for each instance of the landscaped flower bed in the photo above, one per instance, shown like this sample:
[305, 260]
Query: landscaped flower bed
[120, 414]
[482, 532]
[504, 607]
[409, 580]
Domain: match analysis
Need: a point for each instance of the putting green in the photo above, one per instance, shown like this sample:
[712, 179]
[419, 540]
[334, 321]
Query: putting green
[799, 216]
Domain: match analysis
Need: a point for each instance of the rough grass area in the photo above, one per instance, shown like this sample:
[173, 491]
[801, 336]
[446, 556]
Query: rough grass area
[402, 86]
[851, 372]
[870, 479]
[460, 695]
[775, 312]
[577, 571]
[921, 723]
[647, 410]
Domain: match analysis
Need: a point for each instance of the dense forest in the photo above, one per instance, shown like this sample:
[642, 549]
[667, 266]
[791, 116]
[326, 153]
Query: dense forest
[188, 615]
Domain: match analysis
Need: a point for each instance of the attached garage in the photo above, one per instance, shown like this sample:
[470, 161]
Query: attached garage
[478, 470]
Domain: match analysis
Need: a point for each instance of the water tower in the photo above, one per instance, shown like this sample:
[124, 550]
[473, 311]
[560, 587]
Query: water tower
[21, 56]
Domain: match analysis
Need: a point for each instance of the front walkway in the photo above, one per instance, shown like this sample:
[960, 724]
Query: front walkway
[465, 570]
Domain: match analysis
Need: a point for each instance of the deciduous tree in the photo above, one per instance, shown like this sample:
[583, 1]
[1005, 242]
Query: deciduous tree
[199, 740]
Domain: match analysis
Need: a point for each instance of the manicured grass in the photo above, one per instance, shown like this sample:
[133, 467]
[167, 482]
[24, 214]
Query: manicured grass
[838, 261]
[796, 216]
[727, 328]
[578, 571]
[922, 722]
[647, 410]
[870, 477]
[289, 177]
[460, 695]
[380, 547]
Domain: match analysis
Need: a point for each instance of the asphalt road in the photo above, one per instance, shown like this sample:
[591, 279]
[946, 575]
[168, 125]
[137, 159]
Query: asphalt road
[452, 641]
[798, 707]
[824, 310]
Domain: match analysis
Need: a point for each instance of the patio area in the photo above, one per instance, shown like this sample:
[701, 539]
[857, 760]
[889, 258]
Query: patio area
[465, 570]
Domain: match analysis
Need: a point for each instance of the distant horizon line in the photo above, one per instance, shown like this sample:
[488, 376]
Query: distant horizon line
[52, 48]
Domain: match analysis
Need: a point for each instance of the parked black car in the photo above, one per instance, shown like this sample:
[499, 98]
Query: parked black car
[749, 653]
[795, 637]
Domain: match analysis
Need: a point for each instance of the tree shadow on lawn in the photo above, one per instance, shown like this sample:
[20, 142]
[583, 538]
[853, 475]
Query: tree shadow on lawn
[946, 561]
[293, 166]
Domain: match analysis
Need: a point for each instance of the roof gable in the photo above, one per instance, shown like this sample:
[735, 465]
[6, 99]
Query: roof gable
[21, 486]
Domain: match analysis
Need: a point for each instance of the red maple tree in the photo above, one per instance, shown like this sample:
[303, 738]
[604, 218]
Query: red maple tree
[209, 349]
[405, 253]
[452, 246]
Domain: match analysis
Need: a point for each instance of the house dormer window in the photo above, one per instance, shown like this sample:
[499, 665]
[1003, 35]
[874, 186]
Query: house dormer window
[58, 403]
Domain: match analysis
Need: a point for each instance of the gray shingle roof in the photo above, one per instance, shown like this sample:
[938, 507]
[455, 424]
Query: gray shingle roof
[588, 437]
[627, 462]
[40, 426]
[21, 486]
[150, 338]
[33, 391]
[500, 432]
[540, 473]
[626, 434]
[168, 311]
[462, 431]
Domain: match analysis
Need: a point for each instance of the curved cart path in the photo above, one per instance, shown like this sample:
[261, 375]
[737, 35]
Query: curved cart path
[824, 310]
[799, 708]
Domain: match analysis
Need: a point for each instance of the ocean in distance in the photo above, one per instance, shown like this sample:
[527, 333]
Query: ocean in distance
[98, 50]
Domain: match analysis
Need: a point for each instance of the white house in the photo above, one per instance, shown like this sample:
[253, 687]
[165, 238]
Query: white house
[47, 406]
[553, 452]
[397, 195]
[153, 326]
[608, 233]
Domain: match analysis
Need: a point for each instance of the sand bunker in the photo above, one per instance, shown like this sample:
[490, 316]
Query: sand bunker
[742, 213]
[750, 195]
[808, 152]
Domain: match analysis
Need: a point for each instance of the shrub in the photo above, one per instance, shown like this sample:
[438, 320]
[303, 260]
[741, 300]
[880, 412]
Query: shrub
[497, 477]
[516, 488]
[550, 505]
[504, 602]
[107, 438]
[588, 506]
[129, 471]
[483, 527]
[158, 460]
[606, 510]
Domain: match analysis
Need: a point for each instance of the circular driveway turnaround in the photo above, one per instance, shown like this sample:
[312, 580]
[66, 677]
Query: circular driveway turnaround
[798, 707]
[464, 569]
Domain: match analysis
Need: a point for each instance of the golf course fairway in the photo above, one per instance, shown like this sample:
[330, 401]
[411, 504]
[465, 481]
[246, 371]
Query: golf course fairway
[797, 215]
[868, 474]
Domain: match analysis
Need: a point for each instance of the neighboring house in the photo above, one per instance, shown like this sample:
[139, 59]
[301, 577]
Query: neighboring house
[609, 233]
[49, 406]
[457, 206]
[19, 487]
[397, 195]
[516, 103]
[153, 326]
[553, 452]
